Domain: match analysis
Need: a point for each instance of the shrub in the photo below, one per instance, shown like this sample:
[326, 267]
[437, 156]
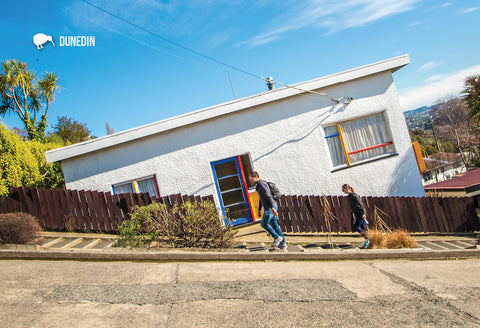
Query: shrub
[398, 238]
[189, 225]
[377, 238]
[18, 228]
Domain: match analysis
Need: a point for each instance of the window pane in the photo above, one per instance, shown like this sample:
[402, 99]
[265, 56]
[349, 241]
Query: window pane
[237, 211]
[147, 185]
[335, 146]
[366, 132]
[233, 197]
[225, 169]
[229, 183]
[123, 188]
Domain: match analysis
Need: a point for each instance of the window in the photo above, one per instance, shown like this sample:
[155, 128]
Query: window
[359, 139]
[146, 184]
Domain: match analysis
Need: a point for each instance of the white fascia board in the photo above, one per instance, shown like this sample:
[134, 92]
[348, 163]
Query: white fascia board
[54, 155]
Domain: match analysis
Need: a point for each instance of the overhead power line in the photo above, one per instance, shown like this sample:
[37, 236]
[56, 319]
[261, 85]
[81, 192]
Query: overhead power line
[347, 100]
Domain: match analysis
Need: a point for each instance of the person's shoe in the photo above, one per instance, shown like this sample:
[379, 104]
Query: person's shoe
[277, 241]
[365, 244]
[283, 246]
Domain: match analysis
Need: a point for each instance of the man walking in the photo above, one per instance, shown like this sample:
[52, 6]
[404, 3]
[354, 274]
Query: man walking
[269, 219]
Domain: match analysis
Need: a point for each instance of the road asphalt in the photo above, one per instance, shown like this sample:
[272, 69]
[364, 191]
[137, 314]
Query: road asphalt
[252, 245]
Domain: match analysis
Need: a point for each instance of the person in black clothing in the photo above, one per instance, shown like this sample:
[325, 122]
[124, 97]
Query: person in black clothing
[360, 222]
[269, 219]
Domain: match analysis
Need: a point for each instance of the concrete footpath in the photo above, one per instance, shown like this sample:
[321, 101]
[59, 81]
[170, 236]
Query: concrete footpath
[252, 245]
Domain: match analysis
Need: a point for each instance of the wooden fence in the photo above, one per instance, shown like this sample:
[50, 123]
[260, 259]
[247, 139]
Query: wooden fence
[58, 209]
[80, 210]
[414, 214]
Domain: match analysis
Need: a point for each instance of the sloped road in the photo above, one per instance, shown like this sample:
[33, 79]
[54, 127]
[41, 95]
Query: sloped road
[398, 293]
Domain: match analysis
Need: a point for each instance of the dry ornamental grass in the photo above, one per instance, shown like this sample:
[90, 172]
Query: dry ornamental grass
[398, 238]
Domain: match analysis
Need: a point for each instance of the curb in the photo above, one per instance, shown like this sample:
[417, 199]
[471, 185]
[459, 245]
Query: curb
[325, 255]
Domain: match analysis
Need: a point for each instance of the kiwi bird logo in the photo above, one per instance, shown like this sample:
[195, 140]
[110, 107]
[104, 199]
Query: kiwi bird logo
[40, 39]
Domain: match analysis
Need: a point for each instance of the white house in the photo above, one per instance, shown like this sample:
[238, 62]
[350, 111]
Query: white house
[294, 136]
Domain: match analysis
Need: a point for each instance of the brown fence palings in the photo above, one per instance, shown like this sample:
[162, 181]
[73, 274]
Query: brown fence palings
[401, 221]
[118, 215]
[300, 214]
[54, 205]
[100, 211]
[453, 214]
[294, 211]
[345, 218]
[111, 213]
[92, 210]
[417, 215]
[77, 210]
[286, 219]
[287, 214]
[338, 224]
[27, 196]
[432, 217]
[308, 214]
[303, 214]
[421, 214]
[101, 207]
[317, 212]
[321, 216]
[86, 217]
[442, 210]
[45, 218]
[64, 210]
[463, 214]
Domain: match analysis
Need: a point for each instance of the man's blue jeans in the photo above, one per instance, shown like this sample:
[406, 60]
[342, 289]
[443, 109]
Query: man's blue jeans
[270, 223]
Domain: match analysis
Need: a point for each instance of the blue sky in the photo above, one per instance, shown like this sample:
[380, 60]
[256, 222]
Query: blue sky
[132, 77]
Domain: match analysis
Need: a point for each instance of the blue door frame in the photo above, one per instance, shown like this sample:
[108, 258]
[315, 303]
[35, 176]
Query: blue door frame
[232, 191]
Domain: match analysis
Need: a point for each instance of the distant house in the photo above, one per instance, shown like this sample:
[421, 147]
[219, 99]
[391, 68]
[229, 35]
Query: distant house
[295, 136]
[463, 185]
[442, 166]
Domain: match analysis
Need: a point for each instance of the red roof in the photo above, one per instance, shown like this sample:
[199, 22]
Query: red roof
[465, 180]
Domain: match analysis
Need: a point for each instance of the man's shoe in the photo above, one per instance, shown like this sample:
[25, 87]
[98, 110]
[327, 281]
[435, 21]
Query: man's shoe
[283, 246]
[277, 241]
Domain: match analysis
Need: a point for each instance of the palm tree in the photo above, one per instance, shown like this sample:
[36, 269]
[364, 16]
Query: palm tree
[472, 98]
[24, 96]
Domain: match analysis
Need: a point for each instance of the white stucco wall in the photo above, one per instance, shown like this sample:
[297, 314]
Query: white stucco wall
[285, 139]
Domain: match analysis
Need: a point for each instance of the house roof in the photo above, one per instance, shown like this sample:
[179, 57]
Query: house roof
[464, 181]
[441, 159]
[446, 157]
[392, 65]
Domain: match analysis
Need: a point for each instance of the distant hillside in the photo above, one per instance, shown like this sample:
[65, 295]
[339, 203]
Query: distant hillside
[420, 110]
[419, 118]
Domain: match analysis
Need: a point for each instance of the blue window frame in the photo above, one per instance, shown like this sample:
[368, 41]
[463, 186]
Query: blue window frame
[232, 190]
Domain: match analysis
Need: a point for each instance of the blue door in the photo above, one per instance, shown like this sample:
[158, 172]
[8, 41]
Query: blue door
[232, 190]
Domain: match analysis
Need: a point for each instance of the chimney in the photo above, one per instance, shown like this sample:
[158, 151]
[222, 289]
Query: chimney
[270, 83]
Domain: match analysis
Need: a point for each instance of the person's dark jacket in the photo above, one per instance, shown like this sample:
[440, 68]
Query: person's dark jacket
[265, 195]
[356, 205]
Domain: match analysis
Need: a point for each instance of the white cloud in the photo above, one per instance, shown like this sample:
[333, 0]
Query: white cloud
[429, 94]
[470, 10]
[333, 16]
[430, 65]
[434, 78]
